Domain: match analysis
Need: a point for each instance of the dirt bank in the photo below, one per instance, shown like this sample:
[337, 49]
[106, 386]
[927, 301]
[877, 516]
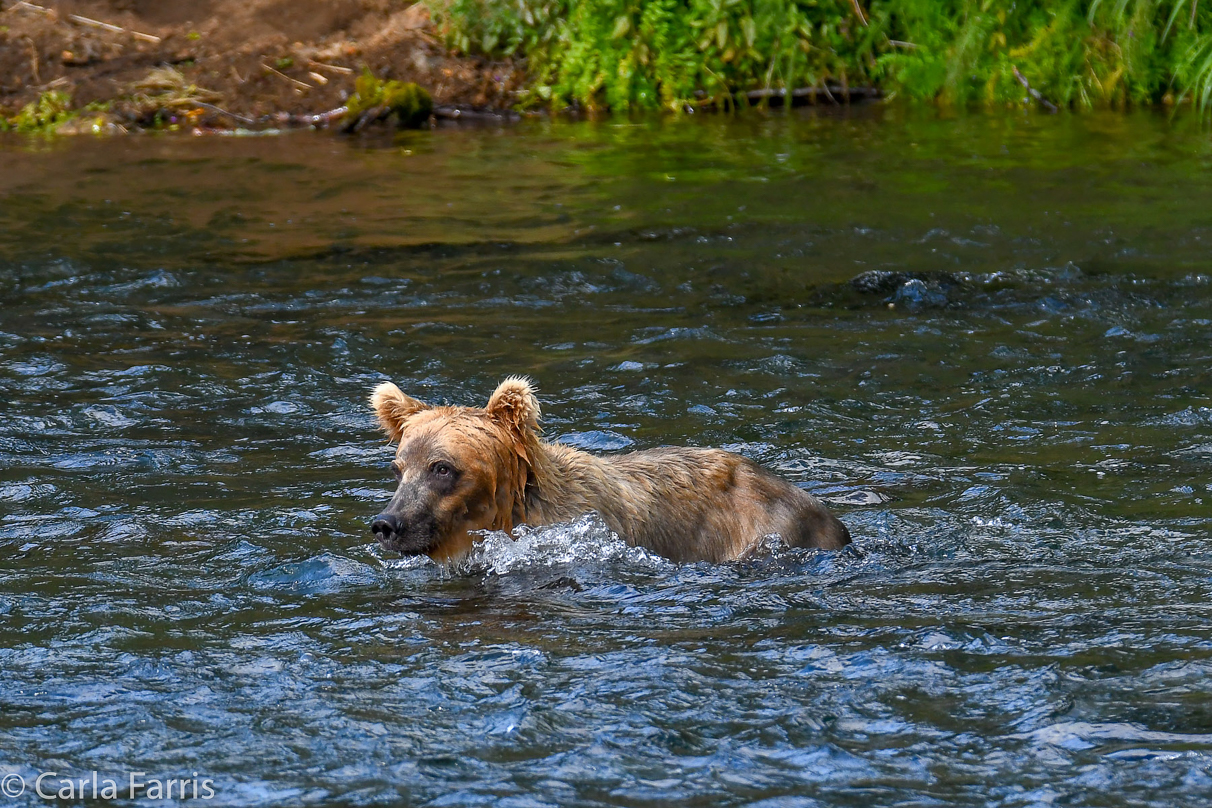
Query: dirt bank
[249, 58]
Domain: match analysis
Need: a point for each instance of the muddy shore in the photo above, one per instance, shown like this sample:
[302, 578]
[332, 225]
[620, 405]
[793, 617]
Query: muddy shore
[229, 63]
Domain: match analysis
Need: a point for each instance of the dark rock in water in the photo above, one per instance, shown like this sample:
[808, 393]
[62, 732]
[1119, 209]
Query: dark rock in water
[913, 290]
[878, 281]
[563, 582]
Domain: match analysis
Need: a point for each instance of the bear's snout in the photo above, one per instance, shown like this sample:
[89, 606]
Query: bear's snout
[385, 527]
[411, 534]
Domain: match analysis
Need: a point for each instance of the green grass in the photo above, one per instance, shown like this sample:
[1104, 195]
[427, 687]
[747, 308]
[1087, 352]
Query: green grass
[679, 54]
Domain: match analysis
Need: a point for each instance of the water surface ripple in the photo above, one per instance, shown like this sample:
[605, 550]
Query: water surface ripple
[985, 340]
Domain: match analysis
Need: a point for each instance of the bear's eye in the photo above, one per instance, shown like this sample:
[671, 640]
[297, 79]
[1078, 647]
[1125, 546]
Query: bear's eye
[397, 472]
[441, 469]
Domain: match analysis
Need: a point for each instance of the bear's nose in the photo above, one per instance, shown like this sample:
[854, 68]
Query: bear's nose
[384, 526]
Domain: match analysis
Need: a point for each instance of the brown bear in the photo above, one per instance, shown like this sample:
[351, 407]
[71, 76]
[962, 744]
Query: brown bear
[465, 469]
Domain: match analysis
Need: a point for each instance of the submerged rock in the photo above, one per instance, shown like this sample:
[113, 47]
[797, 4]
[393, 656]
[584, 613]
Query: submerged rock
[917, 294]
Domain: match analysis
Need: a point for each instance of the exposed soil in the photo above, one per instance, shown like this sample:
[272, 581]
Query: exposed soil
[257, 57]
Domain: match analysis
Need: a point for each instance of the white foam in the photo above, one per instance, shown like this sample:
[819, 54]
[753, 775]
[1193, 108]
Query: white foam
[586, 539]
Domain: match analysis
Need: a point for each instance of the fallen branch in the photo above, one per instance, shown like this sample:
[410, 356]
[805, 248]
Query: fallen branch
[364, 119]
[221, 111]
[460, 114]
[319, 120]
[324, 118]
[812, 93]
[1043, 102]
[117, 29]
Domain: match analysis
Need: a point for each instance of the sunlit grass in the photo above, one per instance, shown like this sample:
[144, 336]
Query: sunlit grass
[679, 54]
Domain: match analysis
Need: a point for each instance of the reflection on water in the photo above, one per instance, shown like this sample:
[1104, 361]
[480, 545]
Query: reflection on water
[984, 340]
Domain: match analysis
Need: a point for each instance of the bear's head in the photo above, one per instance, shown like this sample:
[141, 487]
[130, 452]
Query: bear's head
[460, 469]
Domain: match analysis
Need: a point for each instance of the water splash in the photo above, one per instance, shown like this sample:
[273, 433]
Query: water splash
[585, 542]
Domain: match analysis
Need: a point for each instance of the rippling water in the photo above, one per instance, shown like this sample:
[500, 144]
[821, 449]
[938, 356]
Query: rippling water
[985, 340]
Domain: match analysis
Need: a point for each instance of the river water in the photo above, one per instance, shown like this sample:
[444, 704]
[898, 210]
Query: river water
[986, 340]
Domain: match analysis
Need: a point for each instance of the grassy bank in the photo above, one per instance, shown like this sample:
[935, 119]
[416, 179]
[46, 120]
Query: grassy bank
[675, 54]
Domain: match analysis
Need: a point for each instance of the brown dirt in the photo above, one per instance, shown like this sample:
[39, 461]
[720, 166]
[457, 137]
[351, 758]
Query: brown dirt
[233, 48]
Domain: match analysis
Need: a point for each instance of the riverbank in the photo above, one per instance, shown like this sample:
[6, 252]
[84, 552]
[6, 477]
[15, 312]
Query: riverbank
[96, 65]
[224, 63]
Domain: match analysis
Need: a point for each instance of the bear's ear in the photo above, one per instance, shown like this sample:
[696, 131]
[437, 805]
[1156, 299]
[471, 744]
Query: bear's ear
[514, 406]
[393, 408]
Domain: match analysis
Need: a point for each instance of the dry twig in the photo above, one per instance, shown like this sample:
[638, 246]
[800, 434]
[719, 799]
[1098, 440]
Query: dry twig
[232, 115]
[349, 71]
[280, 74]
[812, 93]
[859, 11]
[31, 7]
[117, 29]
[33, 59]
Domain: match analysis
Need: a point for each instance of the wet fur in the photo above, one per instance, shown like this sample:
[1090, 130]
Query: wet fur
[686, 504]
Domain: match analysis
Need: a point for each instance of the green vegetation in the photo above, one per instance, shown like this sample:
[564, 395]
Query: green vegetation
[52, 109]
[675, 54]
[400, 103]
[151, 100]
